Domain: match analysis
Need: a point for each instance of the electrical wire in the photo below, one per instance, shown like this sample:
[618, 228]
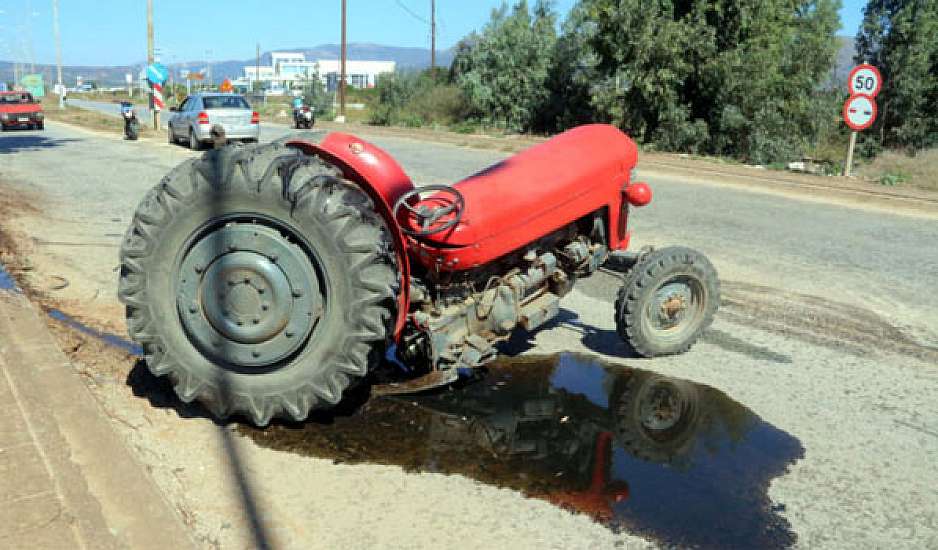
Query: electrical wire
[411, 12]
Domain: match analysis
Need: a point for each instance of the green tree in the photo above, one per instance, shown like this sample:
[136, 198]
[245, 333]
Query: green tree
[503, 70]
[739, 78]
[900, 37]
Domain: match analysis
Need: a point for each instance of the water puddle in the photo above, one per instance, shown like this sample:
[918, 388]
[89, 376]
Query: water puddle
[106, 337]
[675, 461]
[7, 282]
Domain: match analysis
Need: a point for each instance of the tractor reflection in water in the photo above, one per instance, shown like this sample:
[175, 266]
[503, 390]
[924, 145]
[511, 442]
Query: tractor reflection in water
[664, 458]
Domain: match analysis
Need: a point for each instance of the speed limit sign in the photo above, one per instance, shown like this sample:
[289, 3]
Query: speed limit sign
[865, 79]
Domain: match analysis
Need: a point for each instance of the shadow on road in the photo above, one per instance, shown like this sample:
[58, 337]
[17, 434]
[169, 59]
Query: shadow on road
[13, 143]
[606, 342]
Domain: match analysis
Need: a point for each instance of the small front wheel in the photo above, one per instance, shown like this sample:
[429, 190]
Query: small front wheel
[669, 298]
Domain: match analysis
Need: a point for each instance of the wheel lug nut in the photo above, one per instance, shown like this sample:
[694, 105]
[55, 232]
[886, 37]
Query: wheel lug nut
[199, 269]
[255, 354]
[274, 258]
[193, 309]
[240, 323]
[232, 282]
[265, 307]
[289, 334]
[232, 248]
[256, 321]
[297, 293]
[261, 290]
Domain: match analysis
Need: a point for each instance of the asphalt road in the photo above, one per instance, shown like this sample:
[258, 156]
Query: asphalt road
[828, 331]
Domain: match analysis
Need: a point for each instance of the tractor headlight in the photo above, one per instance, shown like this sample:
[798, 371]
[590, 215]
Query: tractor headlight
[4, 116]
[39, 115]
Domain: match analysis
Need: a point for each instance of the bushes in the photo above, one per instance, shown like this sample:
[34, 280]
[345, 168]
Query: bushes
[748, 80]
[417, 99]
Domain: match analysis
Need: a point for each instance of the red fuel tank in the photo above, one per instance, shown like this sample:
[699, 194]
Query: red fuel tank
[534, 193]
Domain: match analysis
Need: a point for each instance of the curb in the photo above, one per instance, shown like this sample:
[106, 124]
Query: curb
[75, 484]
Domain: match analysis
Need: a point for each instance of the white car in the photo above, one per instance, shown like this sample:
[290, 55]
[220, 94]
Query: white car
[193, 120]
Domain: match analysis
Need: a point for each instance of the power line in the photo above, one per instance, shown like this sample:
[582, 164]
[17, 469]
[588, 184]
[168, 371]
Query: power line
[404, 7]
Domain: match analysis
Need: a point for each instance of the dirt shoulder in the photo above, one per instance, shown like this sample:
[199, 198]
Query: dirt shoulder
[91, 119]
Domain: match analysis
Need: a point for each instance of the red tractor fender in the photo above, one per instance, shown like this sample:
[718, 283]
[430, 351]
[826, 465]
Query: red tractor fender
[379, 175]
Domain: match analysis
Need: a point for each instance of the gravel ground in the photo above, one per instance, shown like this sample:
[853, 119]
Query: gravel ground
[827, 331]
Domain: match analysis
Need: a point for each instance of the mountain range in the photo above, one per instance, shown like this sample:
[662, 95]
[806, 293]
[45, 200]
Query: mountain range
[406, 58]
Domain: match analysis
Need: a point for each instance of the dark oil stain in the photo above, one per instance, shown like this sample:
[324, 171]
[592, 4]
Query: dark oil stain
[669, 459]
[818, 321]
[106, 337]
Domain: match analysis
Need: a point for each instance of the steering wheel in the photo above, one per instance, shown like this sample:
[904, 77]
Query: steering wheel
[451, 200]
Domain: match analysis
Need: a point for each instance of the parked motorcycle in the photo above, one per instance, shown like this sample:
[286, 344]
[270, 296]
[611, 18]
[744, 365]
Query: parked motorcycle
[131, 124]
[303, 117]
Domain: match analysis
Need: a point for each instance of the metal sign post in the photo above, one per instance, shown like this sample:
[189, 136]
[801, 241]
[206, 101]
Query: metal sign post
[860, 109]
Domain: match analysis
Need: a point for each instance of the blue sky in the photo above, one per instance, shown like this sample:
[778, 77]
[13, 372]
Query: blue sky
[113, 32]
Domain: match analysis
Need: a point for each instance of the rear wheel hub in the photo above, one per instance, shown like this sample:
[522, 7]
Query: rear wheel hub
[248, 296]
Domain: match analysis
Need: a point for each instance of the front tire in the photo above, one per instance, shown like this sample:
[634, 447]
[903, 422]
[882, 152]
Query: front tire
[668, 299]
[657, 418]
[221, 240]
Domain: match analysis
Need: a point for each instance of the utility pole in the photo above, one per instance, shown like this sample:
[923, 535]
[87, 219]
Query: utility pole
[156, 114]
[257, 69]
[58, 51]
[342, 76]
[432, 35]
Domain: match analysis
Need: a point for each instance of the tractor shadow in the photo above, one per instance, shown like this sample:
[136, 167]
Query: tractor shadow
[605, 342]
[159, 393]
[10, 144]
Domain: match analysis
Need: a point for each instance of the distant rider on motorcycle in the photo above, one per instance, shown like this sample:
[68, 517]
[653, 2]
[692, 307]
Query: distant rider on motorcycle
[302, 115]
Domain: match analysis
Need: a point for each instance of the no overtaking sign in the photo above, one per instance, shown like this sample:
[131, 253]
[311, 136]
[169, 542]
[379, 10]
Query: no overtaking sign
[860, 112]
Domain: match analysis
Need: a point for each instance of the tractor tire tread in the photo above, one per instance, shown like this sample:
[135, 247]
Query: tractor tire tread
[321, 197]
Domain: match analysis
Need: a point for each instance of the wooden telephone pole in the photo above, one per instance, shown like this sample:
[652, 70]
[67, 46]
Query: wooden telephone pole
[58, 50]
[342, 71]
[156, 114]
[432, 35]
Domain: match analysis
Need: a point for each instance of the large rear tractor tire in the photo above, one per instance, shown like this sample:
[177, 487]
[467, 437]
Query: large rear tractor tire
[668, 299]
[259, 282]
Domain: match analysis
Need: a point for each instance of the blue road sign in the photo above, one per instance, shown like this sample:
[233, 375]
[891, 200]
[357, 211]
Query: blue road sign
[157, 73]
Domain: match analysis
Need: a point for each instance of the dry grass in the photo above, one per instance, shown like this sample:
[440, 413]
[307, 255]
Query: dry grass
[897, 168]
[89, 119]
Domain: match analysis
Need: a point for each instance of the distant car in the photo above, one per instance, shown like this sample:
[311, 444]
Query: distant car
[192, 121]
[19, 109]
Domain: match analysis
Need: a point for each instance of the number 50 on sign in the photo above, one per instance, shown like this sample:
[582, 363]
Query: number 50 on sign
[865, 79]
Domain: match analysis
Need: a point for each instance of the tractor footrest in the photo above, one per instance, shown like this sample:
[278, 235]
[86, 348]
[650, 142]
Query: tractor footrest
[428, 381]
[539, 310]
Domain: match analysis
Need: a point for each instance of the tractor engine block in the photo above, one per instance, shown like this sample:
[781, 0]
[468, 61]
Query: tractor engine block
[453, 331]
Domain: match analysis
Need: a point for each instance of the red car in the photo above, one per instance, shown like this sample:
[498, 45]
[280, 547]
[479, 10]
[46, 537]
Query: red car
[19, 109]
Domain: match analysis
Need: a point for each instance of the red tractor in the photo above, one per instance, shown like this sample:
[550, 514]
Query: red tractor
[266, 280]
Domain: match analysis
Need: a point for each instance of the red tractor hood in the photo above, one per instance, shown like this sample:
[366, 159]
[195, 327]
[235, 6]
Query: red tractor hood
[534, 193]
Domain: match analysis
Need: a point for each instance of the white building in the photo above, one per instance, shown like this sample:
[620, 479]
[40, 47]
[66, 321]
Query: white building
[289, 69]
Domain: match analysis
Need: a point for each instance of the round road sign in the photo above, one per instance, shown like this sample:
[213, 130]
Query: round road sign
[865, 79]
[860, 112]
